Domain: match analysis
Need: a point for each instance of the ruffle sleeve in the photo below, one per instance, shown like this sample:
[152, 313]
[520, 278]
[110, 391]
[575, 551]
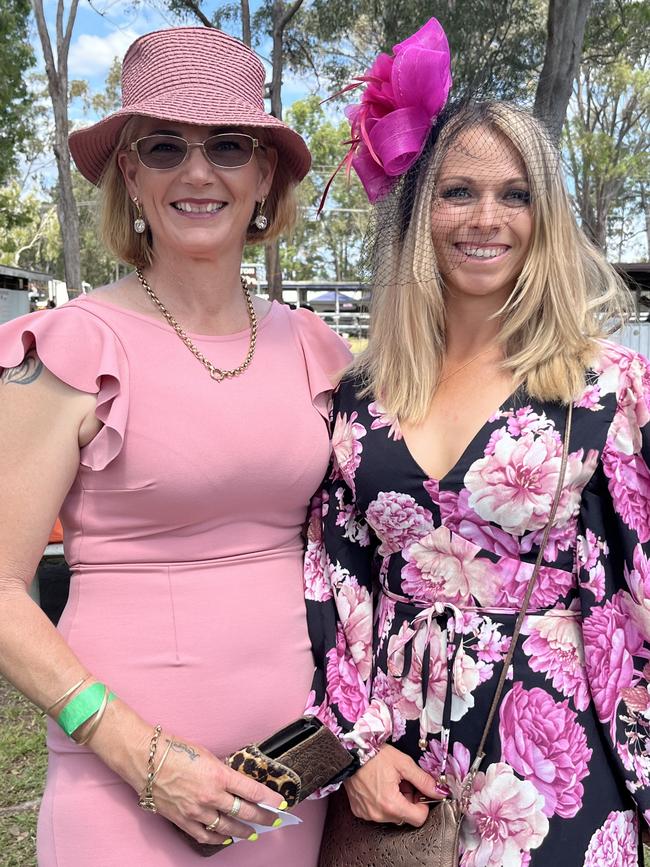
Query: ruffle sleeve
[339, 583]
[615, 576]
[81, 350]
[326, 355]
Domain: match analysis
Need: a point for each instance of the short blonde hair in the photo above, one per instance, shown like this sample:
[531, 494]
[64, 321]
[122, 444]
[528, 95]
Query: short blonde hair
[117, 211]
[566, 298]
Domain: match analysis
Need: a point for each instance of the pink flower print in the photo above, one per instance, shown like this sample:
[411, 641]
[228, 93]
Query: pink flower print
[347, 447]
[491, 646]
[637, 604]
[525, 420]
[410, 682]
[457, 766]
[443, 567]
[615, 842]
[384, 419]
[385, 618]
[629, 486]
[466, 677]
[611, 640]
[544, 742]
[387, 689]
[495, 436]
[397, 521]
[432, 487]
[324, 713]
[345, 687]
[596, 582]
[354, 607]
[458, 517]
[588, 548]
[371, 730]
[590, 398]
[555, 648]
[505, 819]
[512, 576]
[317, 586]
[514, 487]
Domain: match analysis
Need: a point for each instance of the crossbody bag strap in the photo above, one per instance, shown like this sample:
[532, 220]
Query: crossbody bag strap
[480, 755]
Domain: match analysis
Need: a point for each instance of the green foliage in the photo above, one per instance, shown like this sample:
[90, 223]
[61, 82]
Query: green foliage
[16, 57]
[327, 248]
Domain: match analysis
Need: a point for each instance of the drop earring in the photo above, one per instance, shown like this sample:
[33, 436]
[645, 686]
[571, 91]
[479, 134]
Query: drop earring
[260, 219]
[139, 224]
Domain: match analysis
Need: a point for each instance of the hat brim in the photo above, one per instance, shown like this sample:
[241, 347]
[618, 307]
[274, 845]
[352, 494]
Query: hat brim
[92, 146]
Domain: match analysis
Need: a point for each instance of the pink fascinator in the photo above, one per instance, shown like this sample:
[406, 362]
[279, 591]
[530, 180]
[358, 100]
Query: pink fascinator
[404, 95]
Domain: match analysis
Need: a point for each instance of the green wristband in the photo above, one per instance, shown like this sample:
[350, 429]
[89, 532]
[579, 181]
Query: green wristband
[84, 705]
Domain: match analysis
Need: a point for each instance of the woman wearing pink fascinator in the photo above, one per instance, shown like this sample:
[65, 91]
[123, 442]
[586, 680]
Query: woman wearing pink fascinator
[179, 425]
[477, 575]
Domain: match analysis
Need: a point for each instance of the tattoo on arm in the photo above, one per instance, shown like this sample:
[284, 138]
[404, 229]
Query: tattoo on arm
[26, 372]
[179, 747]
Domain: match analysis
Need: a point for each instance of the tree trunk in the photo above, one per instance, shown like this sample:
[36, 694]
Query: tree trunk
[281, 16]
[645, 204]
[57, 81]
[245, 22]
[564, 39]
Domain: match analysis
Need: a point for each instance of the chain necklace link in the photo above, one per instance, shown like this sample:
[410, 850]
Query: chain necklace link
[217, 373]
[463, 366]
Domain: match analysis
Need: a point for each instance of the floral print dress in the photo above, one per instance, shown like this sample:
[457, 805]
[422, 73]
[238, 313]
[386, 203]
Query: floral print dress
[413, 586]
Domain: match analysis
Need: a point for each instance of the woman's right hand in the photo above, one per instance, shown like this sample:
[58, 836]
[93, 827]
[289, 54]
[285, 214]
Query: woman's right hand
[388, 787]
[194, 786]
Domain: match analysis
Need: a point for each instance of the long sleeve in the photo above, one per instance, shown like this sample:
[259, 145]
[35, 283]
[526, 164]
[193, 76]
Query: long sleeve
[615, 581]
[339, 591]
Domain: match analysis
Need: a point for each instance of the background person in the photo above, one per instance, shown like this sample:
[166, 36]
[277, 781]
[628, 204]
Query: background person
[179, 426]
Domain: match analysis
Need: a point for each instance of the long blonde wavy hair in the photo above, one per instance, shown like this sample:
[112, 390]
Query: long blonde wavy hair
[566, 298]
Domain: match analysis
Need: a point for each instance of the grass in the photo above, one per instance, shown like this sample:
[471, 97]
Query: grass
[23, 761]
[22, 771]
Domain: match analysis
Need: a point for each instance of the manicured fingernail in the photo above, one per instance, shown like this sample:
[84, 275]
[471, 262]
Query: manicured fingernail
[277, 823]
[283, 805]
[227, 842]
[254, 836]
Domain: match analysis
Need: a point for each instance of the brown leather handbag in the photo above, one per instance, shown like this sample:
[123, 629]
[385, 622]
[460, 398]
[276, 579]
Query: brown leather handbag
[352, 842]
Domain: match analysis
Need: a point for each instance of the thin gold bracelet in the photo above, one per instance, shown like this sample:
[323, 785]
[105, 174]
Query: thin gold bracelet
[162, 761]
[65, 695]
[145, 798]
[98, 718]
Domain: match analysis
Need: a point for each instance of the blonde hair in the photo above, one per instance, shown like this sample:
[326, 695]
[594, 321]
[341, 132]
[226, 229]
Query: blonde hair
[117, 211]
[566, 298]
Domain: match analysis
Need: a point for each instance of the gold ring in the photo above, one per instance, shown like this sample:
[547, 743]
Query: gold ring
[401, 821]
[214, 825]
[236, 807]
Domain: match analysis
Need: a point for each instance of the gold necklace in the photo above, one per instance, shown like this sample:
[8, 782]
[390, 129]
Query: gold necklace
[217, 373]
[463, 366]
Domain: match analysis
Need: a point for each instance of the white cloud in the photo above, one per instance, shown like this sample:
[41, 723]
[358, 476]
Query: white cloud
[93, 55]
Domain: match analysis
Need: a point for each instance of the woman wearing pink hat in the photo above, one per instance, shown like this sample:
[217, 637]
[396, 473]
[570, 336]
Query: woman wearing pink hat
[179, 425]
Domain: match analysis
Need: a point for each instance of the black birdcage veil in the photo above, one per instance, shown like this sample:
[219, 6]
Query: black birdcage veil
[485, 169]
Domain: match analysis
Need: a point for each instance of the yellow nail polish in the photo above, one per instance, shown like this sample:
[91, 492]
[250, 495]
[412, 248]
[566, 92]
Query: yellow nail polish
[227, 842]
[283, 806]
[277, 823]
[254, 836]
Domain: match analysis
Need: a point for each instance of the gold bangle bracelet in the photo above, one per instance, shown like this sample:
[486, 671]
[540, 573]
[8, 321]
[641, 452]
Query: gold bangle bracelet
[65, 695]
[98, 718]
[162, 761]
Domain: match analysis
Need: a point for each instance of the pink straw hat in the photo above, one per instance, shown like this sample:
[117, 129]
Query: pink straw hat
[189, 75]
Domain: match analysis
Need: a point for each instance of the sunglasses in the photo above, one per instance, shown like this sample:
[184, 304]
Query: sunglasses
[228, 150]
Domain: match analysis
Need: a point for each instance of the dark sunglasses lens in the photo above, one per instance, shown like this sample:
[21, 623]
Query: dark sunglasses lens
[229, 150]
[162, 151]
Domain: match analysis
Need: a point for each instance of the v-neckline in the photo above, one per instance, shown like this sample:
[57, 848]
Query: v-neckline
[452, 470]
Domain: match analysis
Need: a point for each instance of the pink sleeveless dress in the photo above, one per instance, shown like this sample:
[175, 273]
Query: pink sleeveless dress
[183, 531]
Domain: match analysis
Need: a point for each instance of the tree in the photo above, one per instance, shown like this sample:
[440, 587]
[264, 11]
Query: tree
[565, 35]
[57, 78]
[16, 57]
[328, 248]
[608, 132]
